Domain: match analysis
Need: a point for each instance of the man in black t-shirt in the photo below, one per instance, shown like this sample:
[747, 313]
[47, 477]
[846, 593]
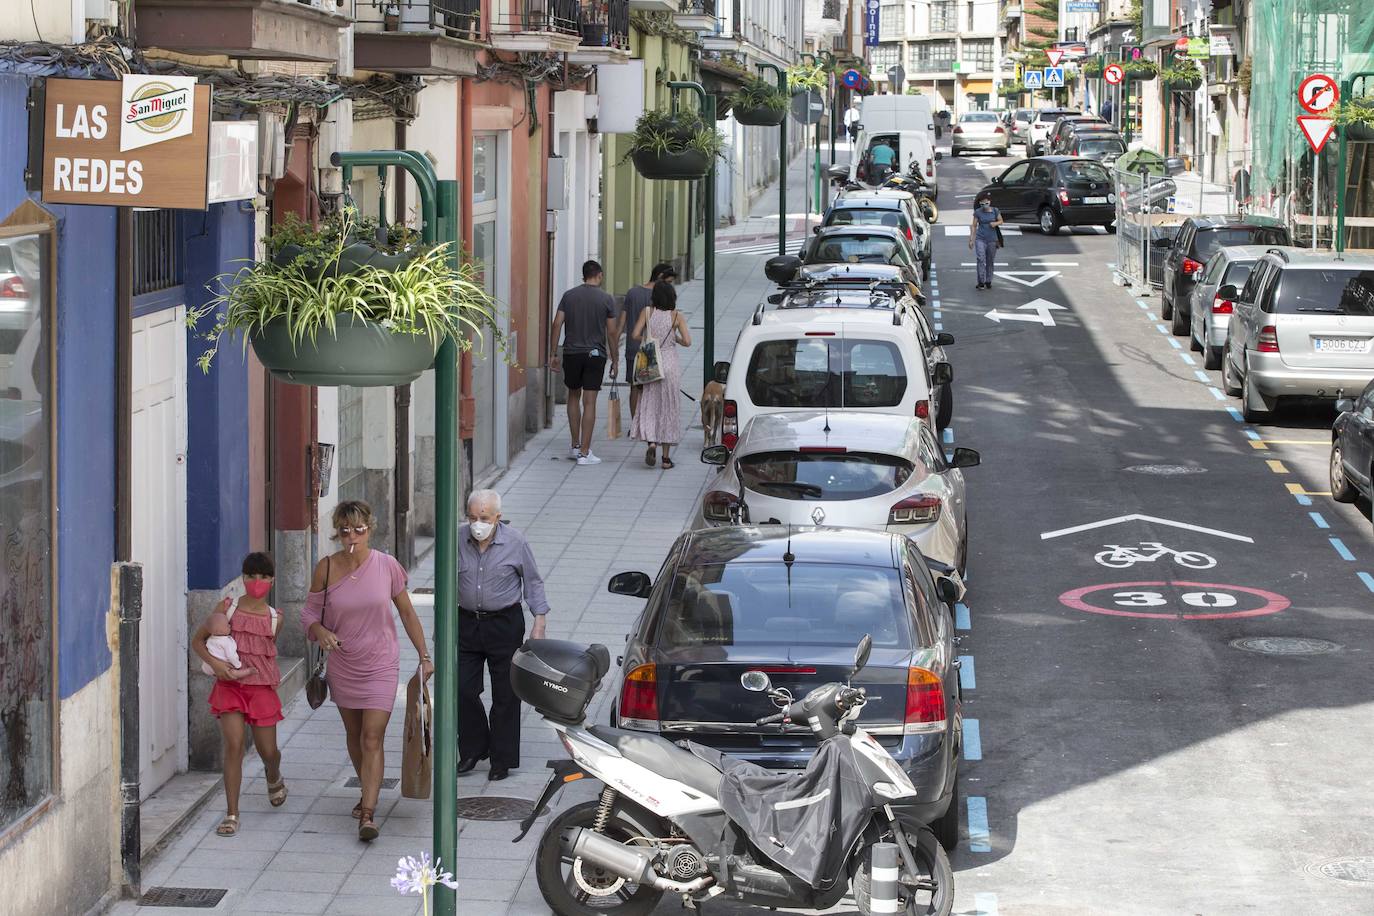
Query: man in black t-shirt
[636, 301]
[589, 313]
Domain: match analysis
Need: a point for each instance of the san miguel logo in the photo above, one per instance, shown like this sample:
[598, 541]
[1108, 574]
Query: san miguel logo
[156, 108]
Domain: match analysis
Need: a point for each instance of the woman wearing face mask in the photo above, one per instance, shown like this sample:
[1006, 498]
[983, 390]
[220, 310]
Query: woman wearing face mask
[984, 236]
[348, 612]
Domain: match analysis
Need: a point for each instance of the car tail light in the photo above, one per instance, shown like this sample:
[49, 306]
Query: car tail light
[909, 236]
[1191, 267]
[930, 166]
[1064, 198]
[958, 130]
[639, 697]
[925, 701]
[787, 669]
[719, 506]
[13, 288]
[1268, 339]
[923, 410]
[729, 424]
[1222, 306]
[998, 129]
[915, 510]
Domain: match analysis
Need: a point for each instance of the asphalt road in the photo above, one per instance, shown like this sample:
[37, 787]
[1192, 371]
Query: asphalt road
[1127, 756]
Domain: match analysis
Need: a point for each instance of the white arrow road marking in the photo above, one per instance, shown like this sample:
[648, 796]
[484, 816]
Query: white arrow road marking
[1036, 276]
[1108, 522]
[1041, 307]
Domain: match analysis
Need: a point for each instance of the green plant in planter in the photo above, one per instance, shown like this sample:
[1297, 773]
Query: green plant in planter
[1184, 77]
[318, 294]
[1356, 115]
[1140, 70]
[760, 103]
[1093, 67]
[674, 145]
[807, 77]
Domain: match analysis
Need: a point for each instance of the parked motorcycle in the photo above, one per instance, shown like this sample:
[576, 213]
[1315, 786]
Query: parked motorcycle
[915, 184]
[684, 819]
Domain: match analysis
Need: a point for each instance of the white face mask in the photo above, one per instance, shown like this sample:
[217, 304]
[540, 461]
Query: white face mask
[481, 530]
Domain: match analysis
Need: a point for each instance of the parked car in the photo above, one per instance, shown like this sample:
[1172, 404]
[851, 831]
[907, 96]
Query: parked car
[860, 470]
[1197, 238]
[1019, 122]
[865, 245]
[1055, 191]
[1068, 125]
[794, 602]
[1352, 448]
[1104, 146]
[894, 209]
[836, 356]
[980, 130]
[16, 303]
[1037, 138]
[1303, 326]
[1228, 266]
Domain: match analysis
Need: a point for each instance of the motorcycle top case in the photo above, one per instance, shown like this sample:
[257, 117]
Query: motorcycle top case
[558, 678]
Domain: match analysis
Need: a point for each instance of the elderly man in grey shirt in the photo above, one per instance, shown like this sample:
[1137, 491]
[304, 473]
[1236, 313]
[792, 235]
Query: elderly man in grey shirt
[496, 570]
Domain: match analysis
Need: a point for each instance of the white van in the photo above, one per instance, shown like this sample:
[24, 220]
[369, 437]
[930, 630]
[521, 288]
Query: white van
[894, 113]
[910, 145]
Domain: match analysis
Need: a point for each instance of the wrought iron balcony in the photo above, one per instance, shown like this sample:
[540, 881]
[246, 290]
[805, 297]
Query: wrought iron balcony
[263, 29]
[605, 33]
[696, 15]
[654, 6]
[830, 9]
[542, 26]
[417, 36]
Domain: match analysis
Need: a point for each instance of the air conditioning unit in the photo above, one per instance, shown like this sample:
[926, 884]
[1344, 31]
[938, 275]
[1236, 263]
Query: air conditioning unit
[271, 146]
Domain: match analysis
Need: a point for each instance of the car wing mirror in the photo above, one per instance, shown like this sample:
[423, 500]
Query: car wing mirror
[939, 155]
[631, 584]
[1229, 291]
[944, 339]
[717, 455]
[947, 590]
[1345, 405]
[965, 458]
[943, 374]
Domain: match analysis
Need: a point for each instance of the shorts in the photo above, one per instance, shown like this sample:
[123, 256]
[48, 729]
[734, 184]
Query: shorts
[259, 704]
[583, 371]
[630, 366]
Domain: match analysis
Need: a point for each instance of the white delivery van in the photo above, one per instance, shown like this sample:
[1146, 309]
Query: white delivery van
[890, 114]
[910, 146]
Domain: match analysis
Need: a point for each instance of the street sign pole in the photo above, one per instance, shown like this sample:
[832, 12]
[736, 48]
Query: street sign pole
[782, 160]
[708, 297]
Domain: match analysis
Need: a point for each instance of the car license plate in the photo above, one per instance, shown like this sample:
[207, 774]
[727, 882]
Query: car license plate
[1340, 345]
[1094, 200]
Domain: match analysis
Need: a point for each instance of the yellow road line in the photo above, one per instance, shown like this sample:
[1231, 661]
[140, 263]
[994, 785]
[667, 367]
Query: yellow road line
[1258, 444]
[1297, 490]
[1297, 441]
[1276, 466]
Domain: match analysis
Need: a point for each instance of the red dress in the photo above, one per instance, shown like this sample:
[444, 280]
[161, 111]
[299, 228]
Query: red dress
[255, 696]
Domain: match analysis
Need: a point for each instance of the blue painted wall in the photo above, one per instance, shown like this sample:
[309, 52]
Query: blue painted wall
[85, 325]
[217, 422]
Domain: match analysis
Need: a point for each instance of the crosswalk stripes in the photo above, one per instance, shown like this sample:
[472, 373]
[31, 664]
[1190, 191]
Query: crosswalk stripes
[769, 248]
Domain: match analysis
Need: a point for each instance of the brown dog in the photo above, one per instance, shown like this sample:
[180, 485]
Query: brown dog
[712, 411]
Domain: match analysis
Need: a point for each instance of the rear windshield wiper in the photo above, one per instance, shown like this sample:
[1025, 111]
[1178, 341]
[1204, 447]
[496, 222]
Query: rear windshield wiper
[804, 489]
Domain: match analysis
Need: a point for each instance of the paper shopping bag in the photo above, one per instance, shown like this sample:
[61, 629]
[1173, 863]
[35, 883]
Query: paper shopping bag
[417, 753]
[613, 414]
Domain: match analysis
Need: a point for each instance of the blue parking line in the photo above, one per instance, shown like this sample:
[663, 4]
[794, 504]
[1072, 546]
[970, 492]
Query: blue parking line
[1318, 520]
[1187, 359]
[1202, 377]
[1217, 393]
[1161, 329]
[1303, 499]
[1250, 433]
[979, 837]
[1173, 342]
[967, 680]
[1142, 303]
[949, 434]
[937, 314]
[973, 740]
[1341, 549]
[1236, 415]
[1367, 579]
[985, 904]
[961, 617]
[939, 326]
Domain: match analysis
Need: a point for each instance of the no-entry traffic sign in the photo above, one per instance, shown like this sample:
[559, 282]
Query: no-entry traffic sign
[1113, 73]
[1055, 55]
[1316, 130]
[1318, 93]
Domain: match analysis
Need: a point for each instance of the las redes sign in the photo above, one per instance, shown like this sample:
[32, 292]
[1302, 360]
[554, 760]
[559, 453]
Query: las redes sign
[143, 142]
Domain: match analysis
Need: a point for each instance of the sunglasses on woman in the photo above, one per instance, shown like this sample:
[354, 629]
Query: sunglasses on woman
[355, 529]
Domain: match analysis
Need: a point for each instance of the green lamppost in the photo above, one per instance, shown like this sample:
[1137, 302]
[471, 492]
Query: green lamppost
[708, 334]
[782, 160]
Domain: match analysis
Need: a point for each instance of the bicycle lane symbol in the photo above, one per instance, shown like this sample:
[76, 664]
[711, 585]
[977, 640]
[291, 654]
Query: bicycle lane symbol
[1119, 556]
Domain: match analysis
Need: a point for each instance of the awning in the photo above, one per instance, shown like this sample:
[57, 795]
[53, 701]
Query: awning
[978, 87]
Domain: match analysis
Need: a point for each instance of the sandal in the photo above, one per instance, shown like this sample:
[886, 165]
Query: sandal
[367, 827]
[229, 826]
[276, 793]
[358, 810]
[667, 464]
[650, 455]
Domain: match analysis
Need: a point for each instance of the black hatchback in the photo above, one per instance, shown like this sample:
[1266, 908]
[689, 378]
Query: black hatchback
[793, 602]
[1055, 191]
[1188, 253]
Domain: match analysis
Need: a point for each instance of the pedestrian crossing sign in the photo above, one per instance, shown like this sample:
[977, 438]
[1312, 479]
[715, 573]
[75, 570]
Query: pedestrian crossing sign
[1054, 77]
[1033, 79]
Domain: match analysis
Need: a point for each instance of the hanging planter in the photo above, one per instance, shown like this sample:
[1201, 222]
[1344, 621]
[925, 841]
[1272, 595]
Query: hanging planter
[759, 104]
[340, 306]
[1357, 117]
[1141, 71]
[674, 146]
[1182, 79]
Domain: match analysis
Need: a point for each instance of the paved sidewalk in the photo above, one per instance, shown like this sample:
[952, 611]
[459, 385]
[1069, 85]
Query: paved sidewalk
[761, 226]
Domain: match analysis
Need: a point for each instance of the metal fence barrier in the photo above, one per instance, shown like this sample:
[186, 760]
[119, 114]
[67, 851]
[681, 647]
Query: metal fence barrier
[1150, 209]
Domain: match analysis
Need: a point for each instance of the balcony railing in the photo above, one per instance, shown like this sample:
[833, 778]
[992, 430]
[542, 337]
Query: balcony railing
[606, 24]
[830, 9]
[456, 18]
[563, 17]
[697, 8]
[696, 15]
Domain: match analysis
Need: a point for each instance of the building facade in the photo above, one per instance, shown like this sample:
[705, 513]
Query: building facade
[951, 50]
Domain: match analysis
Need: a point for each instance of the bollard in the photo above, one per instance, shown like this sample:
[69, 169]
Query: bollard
[882, 885]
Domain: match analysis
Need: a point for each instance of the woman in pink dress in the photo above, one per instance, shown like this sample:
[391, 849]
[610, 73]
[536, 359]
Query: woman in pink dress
[348, 613]
[659, 418]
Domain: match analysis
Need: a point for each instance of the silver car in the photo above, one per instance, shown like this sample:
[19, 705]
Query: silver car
[1210, 313]
[1021, 120]
[1303, 326]
[980, 130]
[860, 470]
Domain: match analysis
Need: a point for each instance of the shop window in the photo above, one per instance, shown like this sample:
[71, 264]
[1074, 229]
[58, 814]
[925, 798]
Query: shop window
[28, 705]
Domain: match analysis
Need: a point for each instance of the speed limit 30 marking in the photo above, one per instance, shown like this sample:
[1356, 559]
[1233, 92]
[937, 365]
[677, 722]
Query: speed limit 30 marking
[1174, 600]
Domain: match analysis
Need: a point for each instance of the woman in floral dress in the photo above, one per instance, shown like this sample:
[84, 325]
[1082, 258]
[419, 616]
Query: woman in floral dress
[659, 418]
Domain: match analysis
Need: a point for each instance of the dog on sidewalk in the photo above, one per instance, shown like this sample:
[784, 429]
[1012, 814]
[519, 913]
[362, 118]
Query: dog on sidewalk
[712, 411]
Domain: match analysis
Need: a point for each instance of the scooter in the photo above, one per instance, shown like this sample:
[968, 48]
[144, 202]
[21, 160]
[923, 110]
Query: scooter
[915, 184]
[683, 819]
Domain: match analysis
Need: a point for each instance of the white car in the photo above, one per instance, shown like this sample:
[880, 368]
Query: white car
[1046, 120]
[859, 470]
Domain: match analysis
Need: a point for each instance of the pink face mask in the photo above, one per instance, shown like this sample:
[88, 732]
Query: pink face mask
[257, 588]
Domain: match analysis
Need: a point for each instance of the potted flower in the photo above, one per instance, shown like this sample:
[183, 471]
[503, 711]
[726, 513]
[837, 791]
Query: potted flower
[342, 305]
[1356, 116]
[674, 146]
[1140, 71]
[759, 103]
[1182, 79]
[1093, 67]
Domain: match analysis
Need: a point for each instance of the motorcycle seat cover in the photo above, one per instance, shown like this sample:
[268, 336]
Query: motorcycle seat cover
[662, 756]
